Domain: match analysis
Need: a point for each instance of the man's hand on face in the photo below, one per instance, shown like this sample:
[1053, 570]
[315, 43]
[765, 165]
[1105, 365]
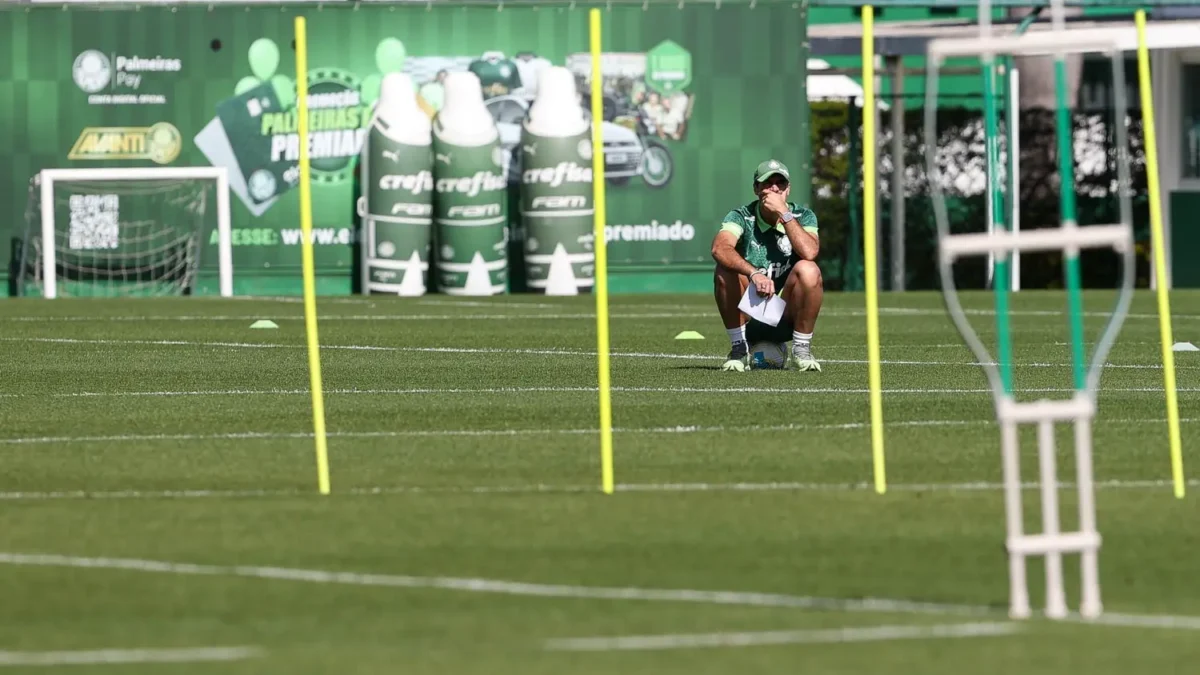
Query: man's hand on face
[775, 203]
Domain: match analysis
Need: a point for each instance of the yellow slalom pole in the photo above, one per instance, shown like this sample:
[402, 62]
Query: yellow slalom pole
[310, 299]
[870, 263]
[606, 454]
[1160, 263]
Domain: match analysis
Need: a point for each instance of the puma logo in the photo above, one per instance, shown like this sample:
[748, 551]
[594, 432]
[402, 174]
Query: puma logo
[445, 159]
[391, 154]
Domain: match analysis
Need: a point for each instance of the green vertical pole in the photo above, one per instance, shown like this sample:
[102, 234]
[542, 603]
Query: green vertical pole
[1000, 285]
[1068, 215]
[852, 279]
[991, 121]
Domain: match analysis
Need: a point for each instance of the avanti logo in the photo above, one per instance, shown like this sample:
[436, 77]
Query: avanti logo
[160, 143]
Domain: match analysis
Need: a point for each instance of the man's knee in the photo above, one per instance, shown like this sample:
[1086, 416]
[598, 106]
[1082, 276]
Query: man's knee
[725, 278]
[808, 274]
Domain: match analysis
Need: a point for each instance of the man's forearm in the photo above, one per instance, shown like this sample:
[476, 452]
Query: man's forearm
[804, 244]
[730, 259]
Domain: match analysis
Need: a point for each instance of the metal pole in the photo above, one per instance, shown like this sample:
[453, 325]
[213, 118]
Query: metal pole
[877, 114]
[1014, 162]
[851, 278]
[990, 207]
[898, 197]
[1012, 112]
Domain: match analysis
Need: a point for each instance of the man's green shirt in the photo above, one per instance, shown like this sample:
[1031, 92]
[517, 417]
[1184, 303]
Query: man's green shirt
[497, 75]
[765, 246]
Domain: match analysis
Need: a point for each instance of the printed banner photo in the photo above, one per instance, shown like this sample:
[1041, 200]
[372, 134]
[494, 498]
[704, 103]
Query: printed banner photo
[693, 99]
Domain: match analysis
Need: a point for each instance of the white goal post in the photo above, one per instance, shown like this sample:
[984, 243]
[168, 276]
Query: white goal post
[219, 175]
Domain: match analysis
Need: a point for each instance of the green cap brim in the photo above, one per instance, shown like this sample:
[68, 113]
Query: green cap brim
[772, 173]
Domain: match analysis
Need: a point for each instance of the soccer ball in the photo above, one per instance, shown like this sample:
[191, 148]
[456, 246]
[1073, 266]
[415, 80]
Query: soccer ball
[767, 355]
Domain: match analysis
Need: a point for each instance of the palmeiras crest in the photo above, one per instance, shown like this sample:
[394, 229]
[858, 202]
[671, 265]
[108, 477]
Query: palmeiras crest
[785, 244]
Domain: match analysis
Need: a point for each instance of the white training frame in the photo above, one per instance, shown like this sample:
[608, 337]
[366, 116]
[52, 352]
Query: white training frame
[1176, 35]
[220, 175]
[1052, 543]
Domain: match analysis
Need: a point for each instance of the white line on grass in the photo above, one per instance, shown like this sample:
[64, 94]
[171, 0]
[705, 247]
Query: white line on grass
[978, 486]
[496, 586]
[298, 320]
[296, 300]
[534, 352]
[518, 588]
[750, 639]
[108, 656]
[1148, 621]
[564, 390]
[890, 312]
[267, 435]
[497, 304]
[402, 433]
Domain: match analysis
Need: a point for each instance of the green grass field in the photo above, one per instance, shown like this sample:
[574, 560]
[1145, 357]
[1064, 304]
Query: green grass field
[158, 491]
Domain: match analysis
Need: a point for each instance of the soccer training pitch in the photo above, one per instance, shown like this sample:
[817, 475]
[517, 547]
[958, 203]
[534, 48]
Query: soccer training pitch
[160, 500]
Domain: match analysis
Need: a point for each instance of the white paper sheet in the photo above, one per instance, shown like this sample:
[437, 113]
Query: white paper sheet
[766, 310]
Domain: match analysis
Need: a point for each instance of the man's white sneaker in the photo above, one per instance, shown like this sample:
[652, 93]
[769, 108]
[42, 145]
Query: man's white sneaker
[801, 359]
[738, 360]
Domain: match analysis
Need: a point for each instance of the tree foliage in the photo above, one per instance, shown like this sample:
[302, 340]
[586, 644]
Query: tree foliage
[962, 166]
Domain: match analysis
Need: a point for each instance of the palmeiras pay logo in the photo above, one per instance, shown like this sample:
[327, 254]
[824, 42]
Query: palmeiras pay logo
[121, 80]
[91, 71]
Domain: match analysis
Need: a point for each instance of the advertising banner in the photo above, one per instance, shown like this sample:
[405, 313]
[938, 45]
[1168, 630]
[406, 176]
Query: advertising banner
[694, 98]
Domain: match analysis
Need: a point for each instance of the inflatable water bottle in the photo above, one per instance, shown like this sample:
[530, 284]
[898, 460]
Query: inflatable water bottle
[397, 179]
[556, 189]
[470, 202]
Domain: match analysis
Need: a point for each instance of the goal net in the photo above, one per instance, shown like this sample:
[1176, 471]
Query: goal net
[123, 232]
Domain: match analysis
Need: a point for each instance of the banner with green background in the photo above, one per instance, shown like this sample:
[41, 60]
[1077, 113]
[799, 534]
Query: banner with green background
[694, 98]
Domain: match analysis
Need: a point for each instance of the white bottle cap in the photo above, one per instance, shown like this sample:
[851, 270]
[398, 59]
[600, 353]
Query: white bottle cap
[464, 119]
[556, 110]
[403, 120]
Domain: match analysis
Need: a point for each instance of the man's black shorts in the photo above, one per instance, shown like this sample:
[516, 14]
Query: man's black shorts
[761, 332]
